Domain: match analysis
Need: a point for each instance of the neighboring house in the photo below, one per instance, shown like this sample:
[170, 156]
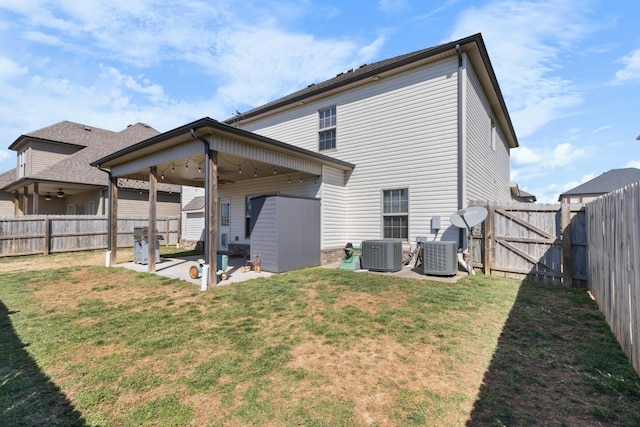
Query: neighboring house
[389, 148]
[54, 176]
[519, 195]
[603, 184]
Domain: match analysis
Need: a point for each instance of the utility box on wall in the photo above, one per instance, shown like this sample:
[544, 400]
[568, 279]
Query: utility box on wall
[285, 232]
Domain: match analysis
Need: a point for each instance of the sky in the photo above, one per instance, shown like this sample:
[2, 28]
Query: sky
[569, 70]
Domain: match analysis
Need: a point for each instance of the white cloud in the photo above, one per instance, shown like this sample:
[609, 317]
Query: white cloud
[633, 164]
[524, 156]
[558, 157]
[10, 69]
[563, 155]
[631, 70]
[4, 155]
[390, 6]
[551, 192]
[525, 40]
[154, 91]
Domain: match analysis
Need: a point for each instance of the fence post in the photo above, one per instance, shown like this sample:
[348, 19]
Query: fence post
[565, 229]
[47, 236]
[488, 235]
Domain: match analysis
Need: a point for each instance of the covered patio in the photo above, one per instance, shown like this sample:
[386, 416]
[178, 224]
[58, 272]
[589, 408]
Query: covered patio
[210, 154]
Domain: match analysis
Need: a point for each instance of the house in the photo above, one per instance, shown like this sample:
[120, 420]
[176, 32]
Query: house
[391, 150]
[603, 184]
[54, 176]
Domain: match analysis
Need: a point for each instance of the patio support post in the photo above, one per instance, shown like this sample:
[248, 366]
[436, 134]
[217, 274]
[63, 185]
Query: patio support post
[113, 221]
[211, 213]
[16, 203]
[25, 201]
[153, 232]
[36, 196]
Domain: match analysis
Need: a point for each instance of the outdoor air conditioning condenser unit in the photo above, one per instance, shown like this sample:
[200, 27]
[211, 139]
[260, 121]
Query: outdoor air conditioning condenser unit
[440, 258]
[381, 255]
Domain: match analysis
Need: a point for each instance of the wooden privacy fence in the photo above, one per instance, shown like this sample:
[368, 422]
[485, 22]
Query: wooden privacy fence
[539, 243]
[44, 234]
[614, 264]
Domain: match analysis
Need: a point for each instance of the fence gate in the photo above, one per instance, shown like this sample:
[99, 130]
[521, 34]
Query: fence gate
[540, 243]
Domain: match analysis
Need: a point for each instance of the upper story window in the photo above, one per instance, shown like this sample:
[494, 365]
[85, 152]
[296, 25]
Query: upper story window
[327, 129]
[492, 135]
[22, 163]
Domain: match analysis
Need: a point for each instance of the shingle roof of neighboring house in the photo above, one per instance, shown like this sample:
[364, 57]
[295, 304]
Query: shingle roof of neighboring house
[97, 143]
[605, 183]
[7, 177]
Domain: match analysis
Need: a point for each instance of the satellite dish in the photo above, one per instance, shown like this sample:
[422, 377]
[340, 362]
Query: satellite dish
[469, 217]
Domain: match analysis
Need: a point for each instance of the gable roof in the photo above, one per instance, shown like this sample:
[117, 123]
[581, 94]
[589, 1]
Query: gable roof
[7, 177]
[93, 142]
[605, 183]
[473, 45]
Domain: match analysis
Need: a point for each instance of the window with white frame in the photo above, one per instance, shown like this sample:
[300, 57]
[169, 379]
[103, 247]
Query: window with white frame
[492, 135]
[327, 129]
[395, 214]
[225, 217]
[92, 208]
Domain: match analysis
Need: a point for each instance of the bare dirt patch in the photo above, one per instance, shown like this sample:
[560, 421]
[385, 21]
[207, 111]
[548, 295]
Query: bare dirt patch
[370, 374]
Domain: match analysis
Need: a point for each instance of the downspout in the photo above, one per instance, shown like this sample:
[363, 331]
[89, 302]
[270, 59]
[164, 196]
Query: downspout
[462, 147]
[207, 197]
[206, 186]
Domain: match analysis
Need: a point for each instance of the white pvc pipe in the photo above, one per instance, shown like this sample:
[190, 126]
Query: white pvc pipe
[205, 277]
[107, 261]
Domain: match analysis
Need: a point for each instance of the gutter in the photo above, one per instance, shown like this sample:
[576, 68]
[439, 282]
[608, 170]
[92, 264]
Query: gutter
[462, 147]
[207, 201]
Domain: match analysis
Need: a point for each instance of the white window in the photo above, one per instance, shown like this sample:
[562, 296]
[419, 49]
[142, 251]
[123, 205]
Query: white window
[327, 129]
[92, 208]
[22, 163]
[395, 214]
[224, 214]
[492, 135]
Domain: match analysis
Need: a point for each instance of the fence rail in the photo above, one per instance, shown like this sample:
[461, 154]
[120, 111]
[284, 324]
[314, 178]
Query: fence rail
[44, 234]
[613, 223]
[536, 242]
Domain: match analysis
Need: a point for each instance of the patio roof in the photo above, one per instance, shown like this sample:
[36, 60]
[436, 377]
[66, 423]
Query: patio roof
[237, 148]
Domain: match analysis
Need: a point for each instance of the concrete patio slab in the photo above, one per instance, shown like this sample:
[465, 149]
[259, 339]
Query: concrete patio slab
[178, 268]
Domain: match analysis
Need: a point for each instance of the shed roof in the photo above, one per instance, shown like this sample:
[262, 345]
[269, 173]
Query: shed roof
[196, 204]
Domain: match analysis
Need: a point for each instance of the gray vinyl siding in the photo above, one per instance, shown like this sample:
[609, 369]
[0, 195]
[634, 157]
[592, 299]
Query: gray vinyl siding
[42, 155]
[6, 204]
[188, 193]
[487, 168]
[400, 132]
[59, 206]
[133, 203]
[333, 208]
[194, 229]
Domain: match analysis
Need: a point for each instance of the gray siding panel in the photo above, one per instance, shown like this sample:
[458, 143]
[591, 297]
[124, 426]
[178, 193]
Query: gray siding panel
[400, 133]
[487, 167]
[42, 155]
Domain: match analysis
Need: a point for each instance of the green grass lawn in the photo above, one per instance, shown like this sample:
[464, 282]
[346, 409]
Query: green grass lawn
[85, 345]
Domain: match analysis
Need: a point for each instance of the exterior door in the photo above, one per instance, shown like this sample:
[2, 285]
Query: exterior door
[224, 225]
